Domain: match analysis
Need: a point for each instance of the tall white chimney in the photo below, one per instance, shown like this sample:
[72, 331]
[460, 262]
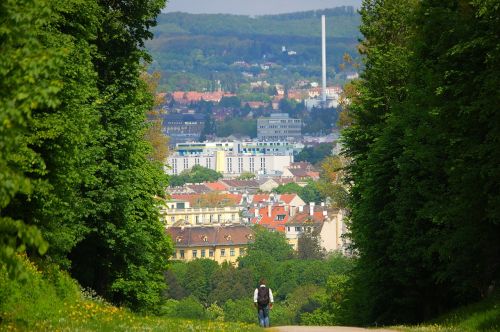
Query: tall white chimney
[323, 58]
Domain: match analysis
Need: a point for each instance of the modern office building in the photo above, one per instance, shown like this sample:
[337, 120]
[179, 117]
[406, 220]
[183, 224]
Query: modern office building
[234, 158]
[183, 127]
[237, 147]
[279, 127]
[231, 165]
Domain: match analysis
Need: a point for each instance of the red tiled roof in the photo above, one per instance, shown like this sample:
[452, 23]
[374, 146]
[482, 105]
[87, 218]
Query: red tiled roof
[217, 186]
[260, 198]
[305, 217]
[210, 236]
[313, 175]
[272, 221]
[256, 104]
[287, 198]
[241, 183]
[193, 96]
[198, 188]
[298, 172]
[284, 180]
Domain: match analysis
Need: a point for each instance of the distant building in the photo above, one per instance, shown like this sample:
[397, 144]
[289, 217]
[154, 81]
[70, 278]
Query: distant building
[328, 223]
[233, 158]
[301, 172]
[236, 147]
[279, 127]
[180, 213]
[220, 243]
[183, 127]
[230, 164]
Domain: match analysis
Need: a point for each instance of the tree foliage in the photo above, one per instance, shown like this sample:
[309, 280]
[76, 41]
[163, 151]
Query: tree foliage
[309, 246]
[196, 174]
[75, 164]
[309, 193]
[423, 144]
[315, 154]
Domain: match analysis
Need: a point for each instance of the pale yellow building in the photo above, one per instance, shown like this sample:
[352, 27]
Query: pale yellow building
[219, 243]
[178, 213]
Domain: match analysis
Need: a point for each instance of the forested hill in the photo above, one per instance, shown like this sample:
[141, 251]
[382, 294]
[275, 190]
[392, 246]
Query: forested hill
[343, 22]
[204, 47]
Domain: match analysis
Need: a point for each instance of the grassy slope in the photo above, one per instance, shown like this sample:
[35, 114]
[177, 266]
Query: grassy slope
[481, 316]
[52, 301]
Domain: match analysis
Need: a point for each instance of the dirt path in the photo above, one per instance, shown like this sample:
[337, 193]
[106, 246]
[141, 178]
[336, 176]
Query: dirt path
[325, 329]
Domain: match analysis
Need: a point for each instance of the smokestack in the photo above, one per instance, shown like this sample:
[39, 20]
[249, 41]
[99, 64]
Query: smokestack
[323, 58]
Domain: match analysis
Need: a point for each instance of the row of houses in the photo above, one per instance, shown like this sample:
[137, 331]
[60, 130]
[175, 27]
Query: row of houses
[221, 230]
[299, 172]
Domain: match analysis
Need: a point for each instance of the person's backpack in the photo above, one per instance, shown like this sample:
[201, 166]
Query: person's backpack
[263, 296]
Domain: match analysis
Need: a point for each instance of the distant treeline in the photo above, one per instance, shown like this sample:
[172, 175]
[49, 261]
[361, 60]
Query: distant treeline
[206, 46]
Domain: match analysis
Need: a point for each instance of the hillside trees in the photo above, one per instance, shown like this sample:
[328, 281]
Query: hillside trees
[75, 161]
[423, 144]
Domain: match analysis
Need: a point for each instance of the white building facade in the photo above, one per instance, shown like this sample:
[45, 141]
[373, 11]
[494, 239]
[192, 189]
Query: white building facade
[231, 165]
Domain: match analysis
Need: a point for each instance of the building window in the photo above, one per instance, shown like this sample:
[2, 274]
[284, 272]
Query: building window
[210, 253]
[223, 252]
[288, 228]
[174, 256]
[197, 219]
[298, 229]
[242, 251]
[181, 254]
[281, 217]
[202, 253]
[172, 219]
[231, 252]
[195, 253]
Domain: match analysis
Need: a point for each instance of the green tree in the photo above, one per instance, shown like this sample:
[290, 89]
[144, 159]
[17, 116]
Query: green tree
[315, 154]
[78, 165]
[198, 279]
[196, 174]
[421, 158]
[246, 176]
[309, 246]
[125, 254]
[23, 89]
[231, 102]
[265, 252]
[308, 193]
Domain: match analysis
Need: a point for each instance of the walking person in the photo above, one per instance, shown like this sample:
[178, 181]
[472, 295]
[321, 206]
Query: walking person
[263, 301]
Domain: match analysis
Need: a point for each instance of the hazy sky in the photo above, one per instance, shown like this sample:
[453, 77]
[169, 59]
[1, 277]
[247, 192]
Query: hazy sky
[253, 7]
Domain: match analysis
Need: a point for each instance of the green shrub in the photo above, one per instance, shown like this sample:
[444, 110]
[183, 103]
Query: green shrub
[37, 297]
[215, 313]
[190, 307]
[242, 310]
